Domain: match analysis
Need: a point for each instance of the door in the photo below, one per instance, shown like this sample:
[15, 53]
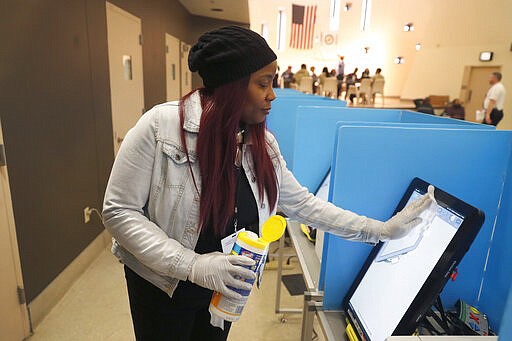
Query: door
[475, 85]
[172, 67]
[125, 65]
[14, 323]
[186, 77]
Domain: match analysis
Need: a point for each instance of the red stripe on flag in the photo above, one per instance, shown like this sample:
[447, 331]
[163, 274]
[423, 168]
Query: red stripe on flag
[308, 27]
[313, 22]
[302, 32]
[296, 35]
[292, 39]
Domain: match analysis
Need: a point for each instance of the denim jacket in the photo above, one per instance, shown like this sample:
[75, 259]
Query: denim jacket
[151, 205]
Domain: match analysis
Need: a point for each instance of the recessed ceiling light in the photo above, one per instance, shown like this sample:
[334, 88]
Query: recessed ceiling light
[409, 27]
[399, 60]
[216, 10]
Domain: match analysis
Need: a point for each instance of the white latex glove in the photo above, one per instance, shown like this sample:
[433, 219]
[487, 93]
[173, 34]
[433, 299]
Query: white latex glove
[421, 210]
[217, 270]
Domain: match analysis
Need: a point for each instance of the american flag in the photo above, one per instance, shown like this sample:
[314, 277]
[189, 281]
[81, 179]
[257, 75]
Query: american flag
[303, 26]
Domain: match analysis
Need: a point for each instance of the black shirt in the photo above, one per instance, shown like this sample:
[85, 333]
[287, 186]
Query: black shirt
[208, 242]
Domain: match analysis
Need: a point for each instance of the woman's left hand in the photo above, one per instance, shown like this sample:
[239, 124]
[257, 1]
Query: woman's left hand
[408, 218]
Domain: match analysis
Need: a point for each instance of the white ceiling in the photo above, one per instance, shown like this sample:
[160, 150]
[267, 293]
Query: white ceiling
[233, 10]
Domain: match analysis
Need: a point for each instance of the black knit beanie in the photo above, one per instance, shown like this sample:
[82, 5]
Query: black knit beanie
[227, 54]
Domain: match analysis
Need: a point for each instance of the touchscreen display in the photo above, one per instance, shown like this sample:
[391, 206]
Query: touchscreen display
[399, 271]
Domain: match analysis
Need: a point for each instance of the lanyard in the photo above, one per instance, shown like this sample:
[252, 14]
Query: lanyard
[238, 165]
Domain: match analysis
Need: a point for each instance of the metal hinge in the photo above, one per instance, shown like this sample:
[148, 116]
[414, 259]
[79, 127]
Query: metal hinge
[141, 39]
[21, 295]
[2, 156]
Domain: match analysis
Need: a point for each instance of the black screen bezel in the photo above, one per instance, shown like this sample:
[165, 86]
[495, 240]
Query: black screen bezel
[438, 277]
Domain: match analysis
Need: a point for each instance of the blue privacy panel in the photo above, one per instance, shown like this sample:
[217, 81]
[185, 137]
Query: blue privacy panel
[315, 130]
[289, 92]
[314, 139]
[315, 135]
[292, 92]
[374, 166]
[283, 115]
[505, 331]
[498, 276]
[415, 117]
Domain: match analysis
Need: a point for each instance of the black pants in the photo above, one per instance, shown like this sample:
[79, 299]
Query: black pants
[496, 116]
[340, 83]
[157, 317]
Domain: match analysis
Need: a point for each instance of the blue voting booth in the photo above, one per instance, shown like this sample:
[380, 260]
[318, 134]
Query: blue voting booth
[374, 154]
[283, 116]
[506, 324]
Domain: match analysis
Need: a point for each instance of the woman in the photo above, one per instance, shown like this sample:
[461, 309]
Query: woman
[325, 73]
[366, 73]
[188, 175]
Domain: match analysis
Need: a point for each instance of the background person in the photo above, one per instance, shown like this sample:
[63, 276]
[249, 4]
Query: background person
[287, 77]
[351, 80]
[189, 175]
[341, 74]
[425, 107]
[456, 110]
[494, 100]
[366, 73]
[315, 79]
[378, 75]
[303, 72]
[275, 81]
[379, 78]
[322, 77]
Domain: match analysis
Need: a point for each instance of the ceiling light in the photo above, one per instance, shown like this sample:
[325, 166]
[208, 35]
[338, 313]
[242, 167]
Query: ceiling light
[399, 60]
[418, 46]
[409, 27]
[366, 49]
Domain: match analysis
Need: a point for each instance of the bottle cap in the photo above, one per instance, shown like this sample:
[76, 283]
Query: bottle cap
[273, 228]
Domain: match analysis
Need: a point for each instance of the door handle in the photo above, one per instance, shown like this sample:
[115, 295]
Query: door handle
[3, 161]
[470, 94]
[119, 140]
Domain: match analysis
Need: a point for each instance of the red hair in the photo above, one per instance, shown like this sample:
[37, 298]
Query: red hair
[216, 149]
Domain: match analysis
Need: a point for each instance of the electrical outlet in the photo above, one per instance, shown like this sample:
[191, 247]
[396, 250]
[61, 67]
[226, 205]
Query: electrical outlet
[87, 214]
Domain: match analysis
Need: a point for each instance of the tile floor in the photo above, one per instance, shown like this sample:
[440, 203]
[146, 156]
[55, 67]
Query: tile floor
[96, 308]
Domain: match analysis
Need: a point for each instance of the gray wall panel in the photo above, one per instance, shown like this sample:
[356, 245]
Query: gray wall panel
[56, 115]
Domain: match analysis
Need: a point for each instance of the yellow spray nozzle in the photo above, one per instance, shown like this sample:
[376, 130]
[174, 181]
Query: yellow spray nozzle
[273, 228]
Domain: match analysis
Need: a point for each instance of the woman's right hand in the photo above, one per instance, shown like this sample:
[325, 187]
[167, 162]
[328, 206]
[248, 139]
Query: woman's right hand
[217, 271]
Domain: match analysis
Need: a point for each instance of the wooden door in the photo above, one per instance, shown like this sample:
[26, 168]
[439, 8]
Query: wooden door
[475, 87]
[186, 76]
[172, 67]
[14, 322]
[125, 66]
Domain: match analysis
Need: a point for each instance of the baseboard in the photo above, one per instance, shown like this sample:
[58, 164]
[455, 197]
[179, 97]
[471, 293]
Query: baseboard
[53, 293]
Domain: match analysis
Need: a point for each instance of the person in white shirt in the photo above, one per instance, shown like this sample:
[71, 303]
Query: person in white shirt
[494, 100]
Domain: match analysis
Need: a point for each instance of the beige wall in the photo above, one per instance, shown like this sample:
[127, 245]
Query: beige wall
[452, 34]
